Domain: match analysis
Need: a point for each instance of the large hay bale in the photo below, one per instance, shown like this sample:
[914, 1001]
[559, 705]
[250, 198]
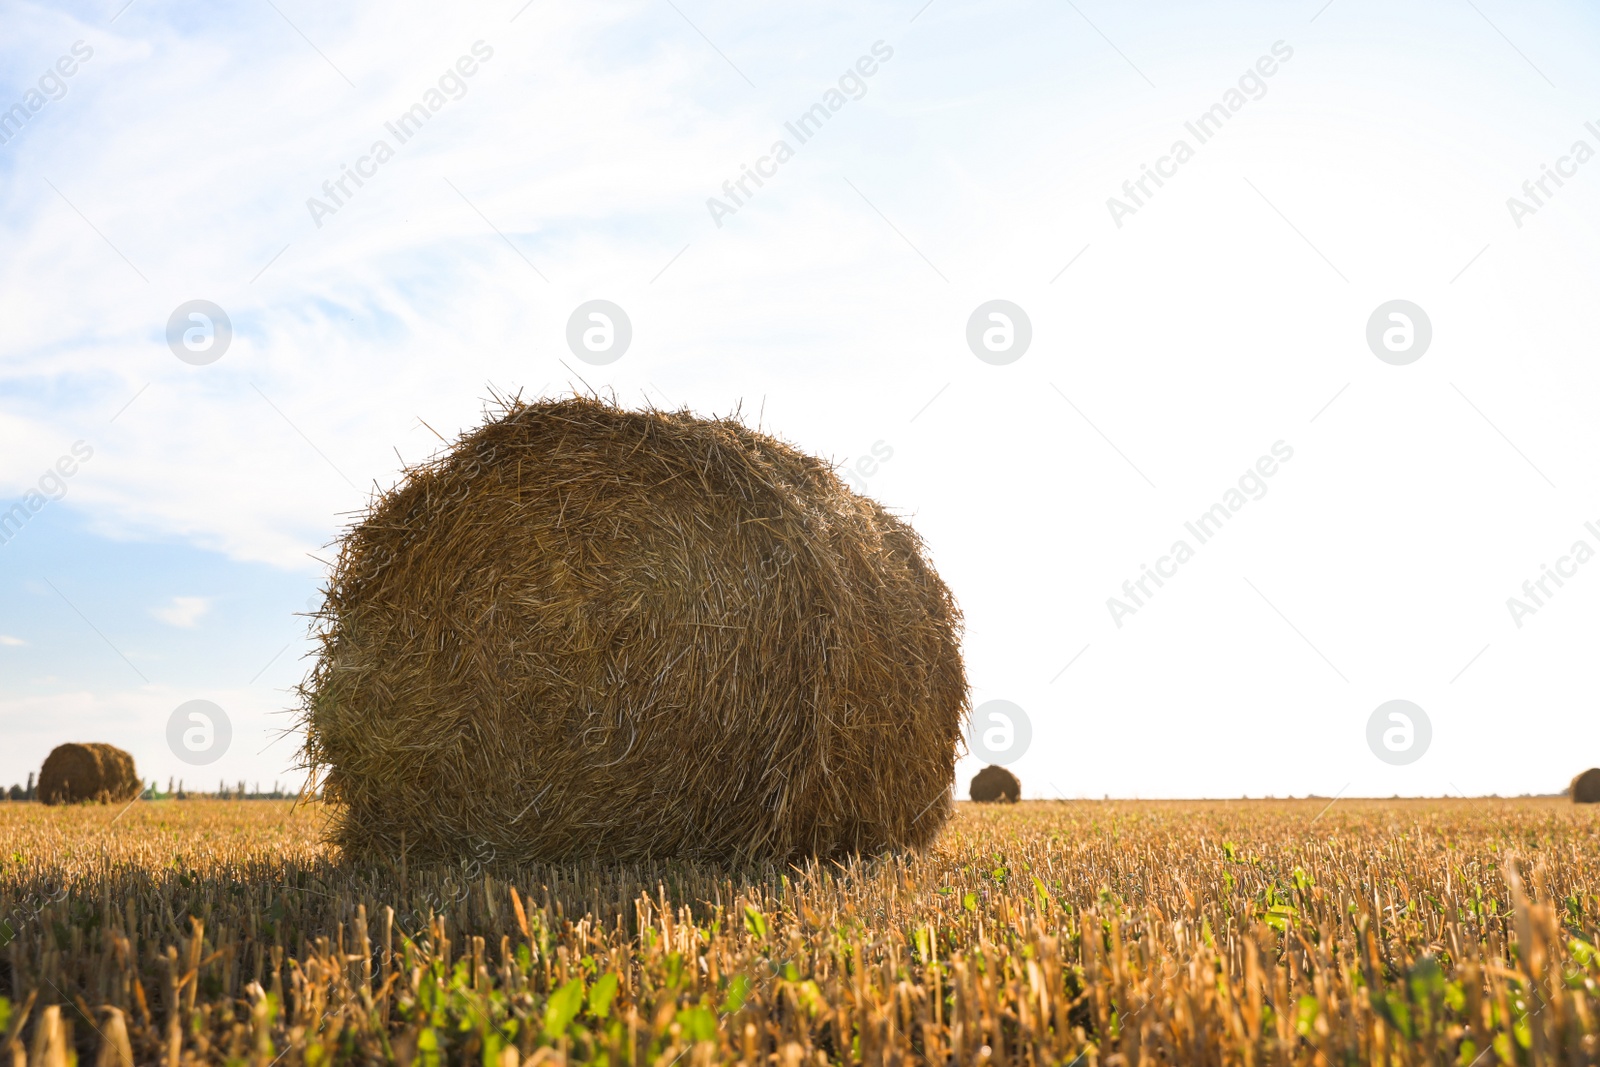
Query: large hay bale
[995, 784]
[585, 632]
[1585, 788]
[93, 771]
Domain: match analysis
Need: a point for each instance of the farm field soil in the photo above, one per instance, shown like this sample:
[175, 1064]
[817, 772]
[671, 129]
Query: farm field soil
[1200, 932]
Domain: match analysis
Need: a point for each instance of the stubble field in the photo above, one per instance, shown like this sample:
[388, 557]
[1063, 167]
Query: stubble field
[1203, 932]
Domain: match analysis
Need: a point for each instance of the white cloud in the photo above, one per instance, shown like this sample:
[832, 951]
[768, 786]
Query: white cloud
[183, 611]
[11, 642]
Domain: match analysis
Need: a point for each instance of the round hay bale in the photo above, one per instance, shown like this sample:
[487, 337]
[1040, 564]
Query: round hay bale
[1585, 787]
[583, 632]
[92, 771]
[995, 784]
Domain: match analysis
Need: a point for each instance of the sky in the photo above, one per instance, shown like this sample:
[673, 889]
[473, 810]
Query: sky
[1386, 487]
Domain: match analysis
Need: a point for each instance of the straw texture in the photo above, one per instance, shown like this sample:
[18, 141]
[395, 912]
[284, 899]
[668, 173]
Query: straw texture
[586, 632]
[76, 772]
[995, 784]
[1585, 788]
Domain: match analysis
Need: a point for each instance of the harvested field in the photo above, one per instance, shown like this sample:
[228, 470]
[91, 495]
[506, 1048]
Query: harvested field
[1269, 932]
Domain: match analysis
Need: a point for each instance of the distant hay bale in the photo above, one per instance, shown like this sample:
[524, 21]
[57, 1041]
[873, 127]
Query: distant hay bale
[995, 784]
[1585, 788]
[585, 632]
[92, 771]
